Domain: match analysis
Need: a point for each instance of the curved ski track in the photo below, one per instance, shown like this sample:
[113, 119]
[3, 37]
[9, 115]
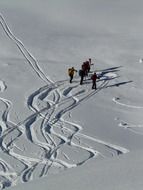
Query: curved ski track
[45, 142]
[135, 128]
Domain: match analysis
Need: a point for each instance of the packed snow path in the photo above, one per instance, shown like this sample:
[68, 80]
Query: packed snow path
[45, 142]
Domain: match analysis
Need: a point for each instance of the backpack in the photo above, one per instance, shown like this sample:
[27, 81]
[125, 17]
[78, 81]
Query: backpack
[94, 77]
[80, 72]
[70, 71]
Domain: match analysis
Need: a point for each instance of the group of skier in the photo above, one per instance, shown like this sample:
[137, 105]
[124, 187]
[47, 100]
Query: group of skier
[83, 72]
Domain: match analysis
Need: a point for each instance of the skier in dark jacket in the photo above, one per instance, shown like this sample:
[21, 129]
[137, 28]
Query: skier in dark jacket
[81, 74]
[94, 77]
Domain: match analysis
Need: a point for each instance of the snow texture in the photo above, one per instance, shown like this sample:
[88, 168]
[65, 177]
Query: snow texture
[60, 135]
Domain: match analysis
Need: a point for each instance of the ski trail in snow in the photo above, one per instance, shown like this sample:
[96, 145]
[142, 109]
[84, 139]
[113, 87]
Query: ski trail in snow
[52, 116]
[119, 149]
[117, 101]
[58, 116]
[49, 105]
[5, 146]
[8, 174]
[65, 140]
[5, 114]
[46, 131]
[135, 128]
[31, 60]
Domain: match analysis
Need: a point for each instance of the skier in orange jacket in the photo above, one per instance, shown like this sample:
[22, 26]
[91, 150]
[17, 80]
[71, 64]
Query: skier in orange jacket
[71, 72]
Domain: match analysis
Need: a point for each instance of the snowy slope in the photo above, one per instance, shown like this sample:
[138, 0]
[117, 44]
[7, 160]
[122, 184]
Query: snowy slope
[123, 172]
[67, 132]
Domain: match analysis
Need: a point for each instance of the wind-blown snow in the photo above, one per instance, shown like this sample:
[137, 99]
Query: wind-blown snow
[73, 136]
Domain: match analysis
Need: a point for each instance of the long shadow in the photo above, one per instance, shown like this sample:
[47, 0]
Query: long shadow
[111, 69]
[107, 78]
[104, 72]
[102, 76]
[119, 84]
[89, 81]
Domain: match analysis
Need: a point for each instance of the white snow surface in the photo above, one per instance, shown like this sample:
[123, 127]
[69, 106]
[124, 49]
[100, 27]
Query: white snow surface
[56, 135]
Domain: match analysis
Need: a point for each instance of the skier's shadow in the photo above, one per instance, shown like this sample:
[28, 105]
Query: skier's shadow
[89, 81]
[111, 70]
[108, 70]
[119, 84]
[102, 74]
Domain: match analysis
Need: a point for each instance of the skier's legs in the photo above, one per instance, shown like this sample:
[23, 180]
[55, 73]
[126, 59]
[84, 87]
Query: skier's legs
[94, 85]
[71, 78]
[81, 80]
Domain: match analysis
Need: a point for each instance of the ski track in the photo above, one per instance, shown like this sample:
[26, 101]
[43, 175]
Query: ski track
[46, 130]
[117, 101]
[28, 56]
[135, 128]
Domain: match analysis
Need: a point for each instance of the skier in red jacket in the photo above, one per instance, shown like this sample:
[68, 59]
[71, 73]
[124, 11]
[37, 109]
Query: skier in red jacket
[94, 77]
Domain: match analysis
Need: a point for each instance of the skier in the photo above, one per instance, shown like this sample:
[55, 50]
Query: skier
[94, 77]
[81, 74]
[89, 64]
[90, 61]
[71, 72]
[85, 68]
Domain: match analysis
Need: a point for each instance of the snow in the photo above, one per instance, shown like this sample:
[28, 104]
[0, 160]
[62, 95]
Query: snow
[57, 135]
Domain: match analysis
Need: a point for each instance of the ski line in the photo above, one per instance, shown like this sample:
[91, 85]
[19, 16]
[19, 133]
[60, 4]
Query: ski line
[61, 137]
[126, 105]
[52, 119]
[31, 60]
